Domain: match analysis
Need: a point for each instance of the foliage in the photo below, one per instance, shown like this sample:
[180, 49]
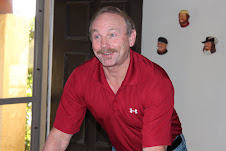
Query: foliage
[28, 127]
[29, 82]
[29, 92]
[29, 107]
[32, 29]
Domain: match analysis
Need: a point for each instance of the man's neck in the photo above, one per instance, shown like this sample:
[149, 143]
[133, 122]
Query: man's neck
[185, 24]
[207, 52]
[116, 75]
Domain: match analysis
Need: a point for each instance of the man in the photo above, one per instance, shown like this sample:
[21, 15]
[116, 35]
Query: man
[184, 18]
[209, 45]
[162, 45]
[131, 97]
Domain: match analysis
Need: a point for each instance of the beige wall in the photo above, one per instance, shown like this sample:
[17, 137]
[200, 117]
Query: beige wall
[13, 127]
[13, 80]
[2, 46]
[14, 55]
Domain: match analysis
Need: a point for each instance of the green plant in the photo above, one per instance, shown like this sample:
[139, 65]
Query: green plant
[29, 92]
[29, 82]
[32, 29]
[28, 127]
[29, 109]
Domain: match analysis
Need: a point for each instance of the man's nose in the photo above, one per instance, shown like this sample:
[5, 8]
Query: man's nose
[104, 42]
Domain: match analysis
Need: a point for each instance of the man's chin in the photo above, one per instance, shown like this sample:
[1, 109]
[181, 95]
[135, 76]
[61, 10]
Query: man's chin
[107, 63]
[183, 23]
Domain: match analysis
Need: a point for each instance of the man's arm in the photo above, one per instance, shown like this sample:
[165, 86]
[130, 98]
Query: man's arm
[155, 148]
[57, 141]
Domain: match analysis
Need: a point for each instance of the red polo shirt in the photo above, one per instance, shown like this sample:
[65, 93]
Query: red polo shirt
[141, 114]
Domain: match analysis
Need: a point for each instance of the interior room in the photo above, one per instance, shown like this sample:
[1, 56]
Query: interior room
[43, 41]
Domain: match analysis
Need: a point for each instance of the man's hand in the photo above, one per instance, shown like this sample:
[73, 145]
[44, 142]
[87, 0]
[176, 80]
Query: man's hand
[155, 148]
[57, 141]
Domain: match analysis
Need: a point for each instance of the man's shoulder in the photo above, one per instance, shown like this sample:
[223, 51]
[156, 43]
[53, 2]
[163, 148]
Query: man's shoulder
[149, 69]
[84, 71]
[88, 66]
[147, 65]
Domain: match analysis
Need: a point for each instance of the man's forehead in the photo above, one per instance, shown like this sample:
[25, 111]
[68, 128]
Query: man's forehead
[183, 14]
[106, 18]
[108, 22]
[159, 42]
[208, 42]
[109, 30]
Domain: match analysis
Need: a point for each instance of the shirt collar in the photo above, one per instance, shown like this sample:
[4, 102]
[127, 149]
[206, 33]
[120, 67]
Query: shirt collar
[185, 24]
[131, 75]
[207, 52]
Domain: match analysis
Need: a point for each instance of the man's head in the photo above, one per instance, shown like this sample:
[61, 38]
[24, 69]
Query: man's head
[112, 34]
[114, 10]
[183, 18]
[162, 45]
[209, 44]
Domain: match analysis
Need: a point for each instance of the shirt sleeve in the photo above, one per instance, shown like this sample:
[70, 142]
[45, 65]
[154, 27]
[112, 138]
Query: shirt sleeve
[158, 111]
[71, 110]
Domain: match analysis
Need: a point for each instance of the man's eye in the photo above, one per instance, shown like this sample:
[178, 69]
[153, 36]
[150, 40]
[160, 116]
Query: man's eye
[96, 37]
[112, 35]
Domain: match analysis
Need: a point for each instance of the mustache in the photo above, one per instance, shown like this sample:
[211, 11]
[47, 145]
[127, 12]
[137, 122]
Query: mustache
[110, 50]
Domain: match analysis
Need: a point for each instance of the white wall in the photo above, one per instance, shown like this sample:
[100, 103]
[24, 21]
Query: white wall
[199, 80]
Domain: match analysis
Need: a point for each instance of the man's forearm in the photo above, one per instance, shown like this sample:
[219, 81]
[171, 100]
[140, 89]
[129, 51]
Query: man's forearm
[57, 141]
[155, 148]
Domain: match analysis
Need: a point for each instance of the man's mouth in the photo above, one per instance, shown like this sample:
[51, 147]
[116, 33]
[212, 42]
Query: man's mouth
[106, 51]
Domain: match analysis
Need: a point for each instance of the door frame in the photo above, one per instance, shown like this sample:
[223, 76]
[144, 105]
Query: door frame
[37, 80]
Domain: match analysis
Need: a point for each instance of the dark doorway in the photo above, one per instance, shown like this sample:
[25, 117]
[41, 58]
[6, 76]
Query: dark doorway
[71, 47]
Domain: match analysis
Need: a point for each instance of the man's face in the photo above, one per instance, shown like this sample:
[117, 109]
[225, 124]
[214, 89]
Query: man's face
[208, 45]
[110, 43]
[183, 18]
[161, 46]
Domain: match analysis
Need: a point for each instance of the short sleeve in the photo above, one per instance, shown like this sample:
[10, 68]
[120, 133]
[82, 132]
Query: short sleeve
[72, 108]
[158, 111]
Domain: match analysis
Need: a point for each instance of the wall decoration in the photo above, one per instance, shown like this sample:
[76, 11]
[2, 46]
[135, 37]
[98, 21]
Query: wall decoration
[162, 45]
[184, 18]
[210, 45]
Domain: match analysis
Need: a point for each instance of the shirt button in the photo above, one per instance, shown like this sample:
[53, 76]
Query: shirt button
[115, 105]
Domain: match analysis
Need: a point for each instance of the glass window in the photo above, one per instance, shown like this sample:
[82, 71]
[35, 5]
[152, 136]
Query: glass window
[16, 48]
[15, 127]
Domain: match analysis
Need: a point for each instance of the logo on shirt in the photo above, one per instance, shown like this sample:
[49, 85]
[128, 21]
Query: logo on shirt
[133, 111]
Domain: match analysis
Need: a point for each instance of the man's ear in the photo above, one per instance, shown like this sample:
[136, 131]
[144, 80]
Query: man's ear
[132, 38]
